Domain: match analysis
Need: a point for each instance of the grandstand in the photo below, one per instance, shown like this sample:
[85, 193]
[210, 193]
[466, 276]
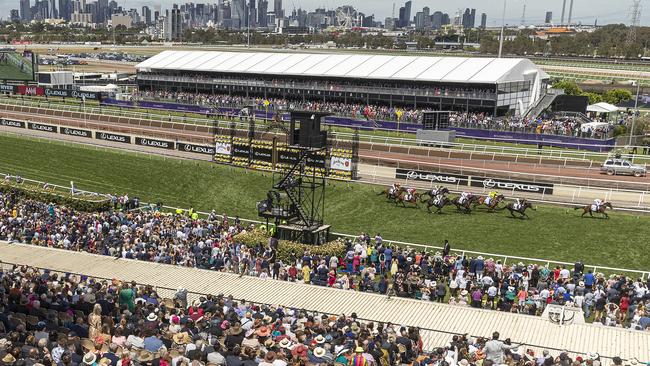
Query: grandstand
[493, 86]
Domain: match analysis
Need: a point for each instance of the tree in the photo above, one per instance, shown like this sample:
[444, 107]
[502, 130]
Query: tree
[616, 96]
[593, 97]
[569, 87]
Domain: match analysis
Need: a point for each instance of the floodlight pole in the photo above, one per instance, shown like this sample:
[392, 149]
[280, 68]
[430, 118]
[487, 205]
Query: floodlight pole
[636, 110]
[503, 25]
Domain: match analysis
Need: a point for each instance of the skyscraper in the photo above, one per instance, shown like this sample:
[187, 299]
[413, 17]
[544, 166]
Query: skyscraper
[65, 9]
[549, 17]
[407, 13]
[469, 18]
[262, 9]
[146, 15]
[238, 14]
[277, 9]
[25, 11]
[176, 25]
[483, 20]
[52, 13]
[252, 14]
[436, 20]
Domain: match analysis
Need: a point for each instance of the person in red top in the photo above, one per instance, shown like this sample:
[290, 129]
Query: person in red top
[623, 305]
[293, 273]
[556, 273]
[195, 311]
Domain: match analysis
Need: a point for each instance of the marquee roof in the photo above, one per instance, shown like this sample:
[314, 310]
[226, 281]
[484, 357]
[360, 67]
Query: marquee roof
[353, 66]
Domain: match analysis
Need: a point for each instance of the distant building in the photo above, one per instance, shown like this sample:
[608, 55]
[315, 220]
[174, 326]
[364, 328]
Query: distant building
[25, 11]
[146, 15]
[14, 15]
[121, 20]
[469, 18]
[262, 10]
[483, 21]
[549, 17]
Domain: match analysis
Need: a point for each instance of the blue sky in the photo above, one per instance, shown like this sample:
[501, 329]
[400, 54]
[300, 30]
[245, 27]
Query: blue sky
[585, 11]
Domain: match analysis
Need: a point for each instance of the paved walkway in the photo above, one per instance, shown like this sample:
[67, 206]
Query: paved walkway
[447, 319]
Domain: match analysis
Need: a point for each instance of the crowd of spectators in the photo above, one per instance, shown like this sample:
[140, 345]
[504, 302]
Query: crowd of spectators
[49, 319]
[551, 126]
[369, 264]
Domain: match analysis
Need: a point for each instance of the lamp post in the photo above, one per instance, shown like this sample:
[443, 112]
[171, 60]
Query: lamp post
[503, 25]
[636, 110]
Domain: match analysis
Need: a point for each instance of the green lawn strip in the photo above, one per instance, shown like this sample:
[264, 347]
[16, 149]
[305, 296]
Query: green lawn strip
[553, 233]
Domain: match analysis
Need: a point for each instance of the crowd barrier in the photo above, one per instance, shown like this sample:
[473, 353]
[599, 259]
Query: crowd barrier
[598, 145]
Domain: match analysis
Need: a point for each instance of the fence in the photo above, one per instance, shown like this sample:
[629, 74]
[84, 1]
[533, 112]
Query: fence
[194, 124]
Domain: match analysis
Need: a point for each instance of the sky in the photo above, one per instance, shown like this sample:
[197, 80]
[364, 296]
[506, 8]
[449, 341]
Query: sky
[585, 11]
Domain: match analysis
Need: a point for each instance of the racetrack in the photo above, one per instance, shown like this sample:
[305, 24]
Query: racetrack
[554, 171]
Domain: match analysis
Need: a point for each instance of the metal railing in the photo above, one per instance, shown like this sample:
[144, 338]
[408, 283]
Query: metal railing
[189, 124]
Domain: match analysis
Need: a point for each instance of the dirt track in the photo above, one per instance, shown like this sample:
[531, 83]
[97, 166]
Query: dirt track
[427, 159]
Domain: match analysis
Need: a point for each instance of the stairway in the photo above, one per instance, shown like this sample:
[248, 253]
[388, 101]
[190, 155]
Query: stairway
[290, 182]
[540, 106]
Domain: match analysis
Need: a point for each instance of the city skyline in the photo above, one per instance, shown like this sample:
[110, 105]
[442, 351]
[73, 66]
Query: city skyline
[585, 12]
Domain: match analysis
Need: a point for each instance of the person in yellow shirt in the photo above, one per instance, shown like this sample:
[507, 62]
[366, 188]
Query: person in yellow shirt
[306, 272]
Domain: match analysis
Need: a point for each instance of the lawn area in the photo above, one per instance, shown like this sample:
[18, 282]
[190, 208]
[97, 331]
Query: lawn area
[552, 233]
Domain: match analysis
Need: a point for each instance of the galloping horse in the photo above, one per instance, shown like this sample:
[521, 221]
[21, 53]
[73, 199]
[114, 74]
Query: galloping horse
[521, 210]
[415, 197]
[494, 202]
[465, 207]
[432, 193]
[438, 204]
[601, 210]
[391, 195]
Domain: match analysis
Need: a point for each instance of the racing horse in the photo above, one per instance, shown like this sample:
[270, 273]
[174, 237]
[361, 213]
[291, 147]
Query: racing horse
[391, 195]
[521, 210]
[494, 202]
[465, 207]
[401, 198]
[439, 204]
[590, 209]
[433, 192]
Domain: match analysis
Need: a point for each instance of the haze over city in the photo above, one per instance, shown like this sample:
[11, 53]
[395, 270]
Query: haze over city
[585, 11]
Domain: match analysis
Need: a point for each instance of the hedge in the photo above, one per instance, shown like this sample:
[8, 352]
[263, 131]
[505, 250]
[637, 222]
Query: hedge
[79, 203]
[286, 247]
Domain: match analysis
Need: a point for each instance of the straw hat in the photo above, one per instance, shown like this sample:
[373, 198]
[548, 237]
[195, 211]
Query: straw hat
[269, 343]
[89, 358]
[285, 343]
[9, 358]
[235, 329]
[152, 317]
[319, 339]
[145, 356]
[299, 351]
[464, 293]
[182, 338]
[319, 352]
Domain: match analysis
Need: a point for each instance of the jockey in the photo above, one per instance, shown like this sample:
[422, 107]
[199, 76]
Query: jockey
[435, 191]
[394, 188]
[598, 202]
[492, 195]
[518, 203]
[465, 196]
[410, 192]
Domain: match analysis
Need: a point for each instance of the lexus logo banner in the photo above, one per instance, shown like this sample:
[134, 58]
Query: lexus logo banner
[497, 184]
[162, 144]
[198, 149]
[436, 178]
[512, 185]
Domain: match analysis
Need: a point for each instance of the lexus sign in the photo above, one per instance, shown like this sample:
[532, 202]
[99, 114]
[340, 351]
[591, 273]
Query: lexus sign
[512, 185]
[436, 178]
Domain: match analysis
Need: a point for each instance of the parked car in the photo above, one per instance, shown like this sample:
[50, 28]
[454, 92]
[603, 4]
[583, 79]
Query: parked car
[622, 167]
